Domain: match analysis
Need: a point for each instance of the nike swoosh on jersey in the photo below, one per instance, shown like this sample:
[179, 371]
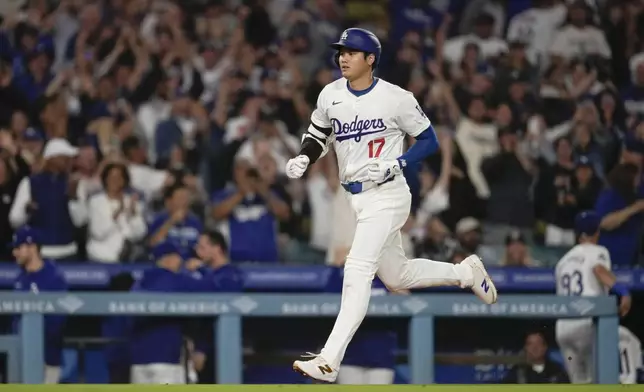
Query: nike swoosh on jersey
[335, 103]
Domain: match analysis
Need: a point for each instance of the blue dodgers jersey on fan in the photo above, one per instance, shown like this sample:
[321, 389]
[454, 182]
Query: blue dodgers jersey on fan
[373, 346]
[252, 229]
[48, 278]
[621, 242]
[159, 339]
[184, 235]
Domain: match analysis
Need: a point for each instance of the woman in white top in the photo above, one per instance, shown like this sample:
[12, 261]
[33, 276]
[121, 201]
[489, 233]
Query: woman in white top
[115, 216]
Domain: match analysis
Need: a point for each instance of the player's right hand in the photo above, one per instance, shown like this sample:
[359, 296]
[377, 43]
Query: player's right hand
[625, 305]
[296, 167]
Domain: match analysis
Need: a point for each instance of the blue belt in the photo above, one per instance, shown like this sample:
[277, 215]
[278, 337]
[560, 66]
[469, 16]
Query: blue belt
[358, 187]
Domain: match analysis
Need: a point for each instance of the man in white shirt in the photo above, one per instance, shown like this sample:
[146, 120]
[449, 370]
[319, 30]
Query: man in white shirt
[579, 38]
[483, 37]
[544, 18]
[48, 201]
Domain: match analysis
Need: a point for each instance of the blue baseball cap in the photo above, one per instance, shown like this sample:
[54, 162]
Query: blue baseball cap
[25, 235]
[164, 249]
[587, 222]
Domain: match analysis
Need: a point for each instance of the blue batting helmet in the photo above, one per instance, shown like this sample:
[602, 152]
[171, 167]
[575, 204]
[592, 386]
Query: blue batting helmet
[587, 222]
[358, 39]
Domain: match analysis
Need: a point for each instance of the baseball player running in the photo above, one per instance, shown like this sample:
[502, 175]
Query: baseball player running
[367, 119]
[584, 271]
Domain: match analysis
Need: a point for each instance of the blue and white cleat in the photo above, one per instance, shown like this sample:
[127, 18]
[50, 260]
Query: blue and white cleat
[483, 286]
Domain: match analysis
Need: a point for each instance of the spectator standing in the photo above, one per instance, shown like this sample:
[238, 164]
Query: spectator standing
[176, 224]
[537, 27]
[13, 169]
[620, 206]
[36, 276]
[579, 37]
[482, 37]
[148, 180]
[555, 202]
[249, 212]
[116, 219]
[509, 175]
[48, 202]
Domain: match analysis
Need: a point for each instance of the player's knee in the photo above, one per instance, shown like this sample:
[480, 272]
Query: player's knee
[393, 281]
[357, 268]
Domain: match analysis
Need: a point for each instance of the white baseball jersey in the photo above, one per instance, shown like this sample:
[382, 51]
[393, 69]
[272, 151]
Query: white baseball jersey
[630, 356]
[365, 126]
[574, 272]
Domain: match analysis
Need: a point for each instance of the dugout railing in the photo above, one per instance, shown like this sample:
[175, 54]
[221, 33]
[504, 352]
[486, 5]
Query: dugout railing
[26, 349]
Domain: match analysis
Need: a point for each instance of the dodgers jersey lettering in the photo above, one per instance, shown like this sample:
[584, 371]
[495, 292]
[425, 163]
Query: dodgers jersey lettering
[574, 272]
[367, 126]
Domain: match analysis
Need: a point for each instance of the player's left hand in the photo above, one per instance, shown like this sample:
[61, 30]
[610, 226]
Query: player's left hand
[380, 171]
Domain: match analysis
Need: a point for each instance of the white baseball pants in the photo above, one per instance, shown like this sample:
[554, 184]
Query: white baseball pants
[377, 248]
[52, 374]
[576, 340]
[158, 373]
[356, 375]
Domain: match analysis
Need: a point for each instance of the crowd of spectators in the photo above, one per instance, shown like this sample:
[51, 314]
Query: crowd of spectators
[126, 123]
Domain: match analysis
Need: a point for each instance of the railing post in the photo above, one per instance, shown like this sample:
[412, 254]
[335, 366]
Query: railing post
[607, 350]
[228, 349]
[32, 356]
[421, 349]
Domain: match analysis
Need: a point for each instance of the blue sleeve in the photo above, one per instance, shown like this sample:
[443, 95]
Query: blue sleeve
[426, 144]
[156, 223]
[604, 204]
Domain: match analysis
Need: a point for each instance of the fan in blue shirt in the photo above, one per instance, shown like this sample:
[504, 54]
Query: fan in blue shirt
[156, 343]
[38, 275]
[176, 224]
[249, 212]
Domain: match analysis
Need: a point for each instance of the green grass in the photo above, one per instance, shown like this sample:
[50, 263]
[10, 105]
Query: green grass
[317, 388]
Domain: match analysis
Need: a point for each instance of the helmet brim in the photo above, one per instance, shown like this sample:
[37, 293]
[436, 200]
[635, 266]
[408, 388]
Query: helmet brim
[337, 45]
[340, 45]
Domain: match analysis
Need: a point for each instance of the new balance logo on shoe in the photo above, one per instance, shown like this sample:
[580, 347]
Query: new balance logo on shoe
[325, 369]
[485, 286]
